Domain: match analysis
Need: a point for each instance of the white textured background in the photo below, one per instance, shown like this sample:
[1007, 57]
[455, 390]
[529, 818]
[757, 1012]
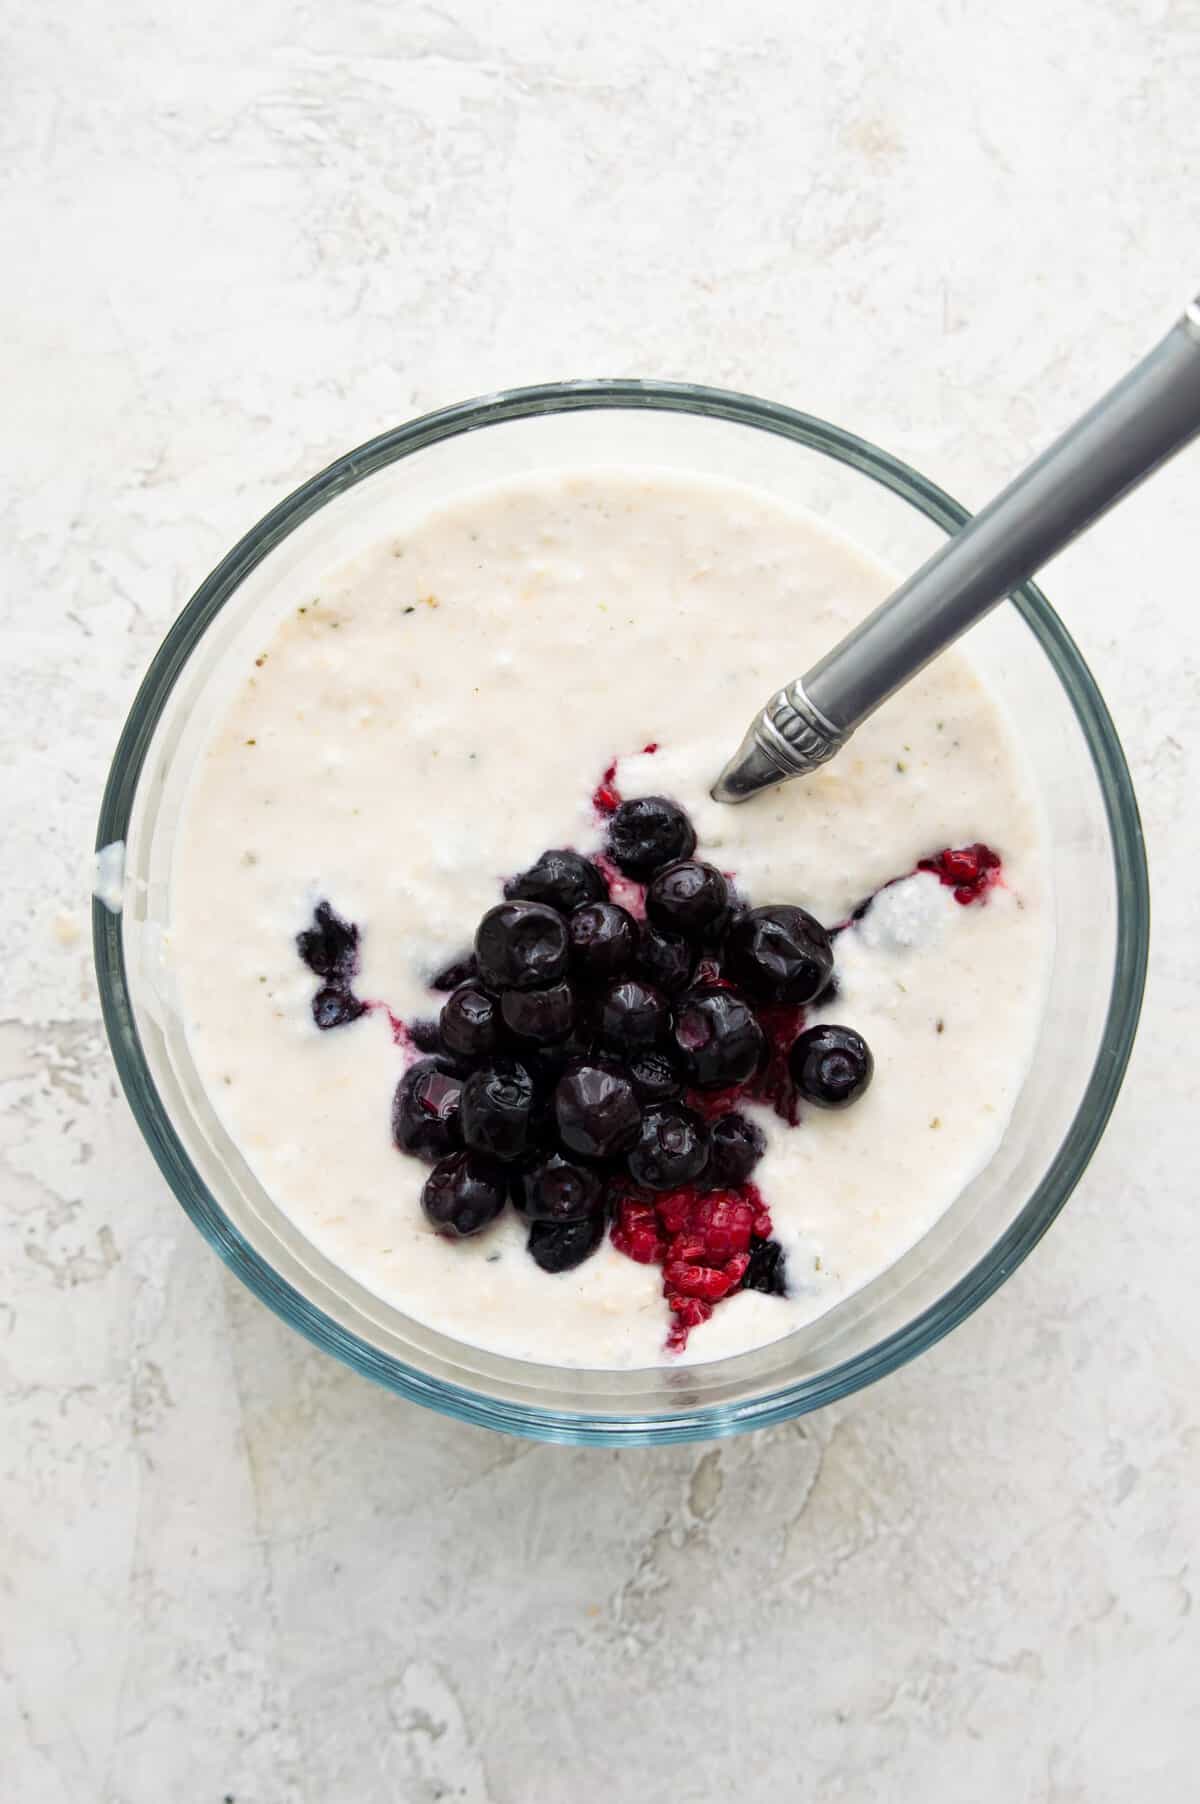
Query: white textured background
[241, 235]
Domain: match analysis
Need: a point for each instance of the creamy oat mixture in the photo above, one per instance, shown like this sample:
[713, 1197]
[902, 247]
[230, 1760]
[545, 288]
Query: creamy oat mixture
[438, 715]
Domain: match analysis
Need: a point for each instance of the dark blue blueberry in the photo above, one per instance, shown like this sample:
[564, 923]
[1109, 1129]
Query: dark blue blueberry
[767, 1270]
[426, 1110]
[521, 946]
[688, 898]
[780, 954]
[459, 971]
[604, 939]
[334, 1006]
[718, 1037]
[633, 1016]
[666, 959]
[557, 1189]
[831, 1066]
[735, 1147]
[561, 879]
[497, 1110]
[463, 1193]
[560, 1246]
[645, 834]
[330, 946]
[426, 1035]
[672, 1148]
[470, 1023]
[597, 1112]
[542, 1016]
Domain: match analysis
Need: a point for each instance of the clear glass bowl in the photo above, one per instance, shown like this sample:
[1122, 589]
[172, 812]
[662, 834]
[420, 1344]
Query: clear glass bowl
[1099, 877]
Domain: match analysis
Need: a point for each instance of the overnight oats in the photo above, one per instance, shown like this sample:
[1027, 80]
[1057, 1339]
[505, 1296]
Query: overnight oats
[524, 1031]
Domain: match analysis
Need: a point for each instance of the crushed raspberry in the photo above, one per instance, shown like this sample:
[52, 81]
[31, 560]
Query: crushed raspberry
[970, 871]
[689, 1312]
[606, 797]
[702, 1239]
[762, 1215]
[705, 1281]
[636, 1234]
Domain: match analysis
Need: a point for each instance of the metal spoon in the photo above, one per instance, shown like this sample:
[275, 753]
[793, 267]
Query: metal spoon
[1130, 431]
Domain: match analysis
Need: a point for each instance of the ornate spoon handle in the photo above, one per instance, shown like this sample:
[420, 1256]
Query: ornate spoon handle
[1151, 414]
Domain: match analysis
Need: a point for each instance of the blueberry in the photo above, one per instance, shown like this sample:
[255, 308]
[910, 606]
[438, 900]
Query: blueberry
[767, 1270]
[672, 1148]
[543, 1016]
[831, 1066]
[646, 834]
[603, 940]
[653, 1076]
[497, 1109]
[330, 946]
[557, 1189]
[463, 1193]
[560, 1246]
[426, 1110]
[459, 971]
[597, 1112]
[712, 941]
[633, 1015]
[719, 1038]
[735, 1147]
[334, 1006]
[666, 960]
[470, 1021]
[560, 879]
[688, 897]
[521, 946]
[546, 1064]
[780, 954]
[426, 1035]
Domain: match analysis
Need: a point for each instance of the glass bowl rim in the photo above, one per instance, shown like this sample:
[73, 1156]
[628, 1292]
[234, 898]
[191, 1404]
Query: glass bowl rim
[1063, 1171]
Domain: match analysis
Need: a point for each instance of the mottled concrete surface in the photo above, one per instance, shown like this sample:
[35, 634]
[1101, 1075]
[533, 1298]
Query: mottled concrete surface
[242, 237]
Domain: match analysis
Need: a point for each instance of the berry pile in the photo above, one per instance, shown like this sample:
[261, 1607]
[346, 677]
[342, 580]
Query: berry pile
[590, 1053]
[592, 1050]
[709, 1242]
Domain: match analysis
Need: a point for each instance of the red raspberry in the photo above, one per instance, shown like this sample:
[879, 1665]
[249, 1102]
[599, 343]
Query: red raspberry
[737, 1267]
[606, 798]
[961, 866]
[762, 1215]
[635, 1233]
[689, 1311]
[728, 1229]
[697, 1281]
[970, 871]
[675, 1209]
[702, 1240]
